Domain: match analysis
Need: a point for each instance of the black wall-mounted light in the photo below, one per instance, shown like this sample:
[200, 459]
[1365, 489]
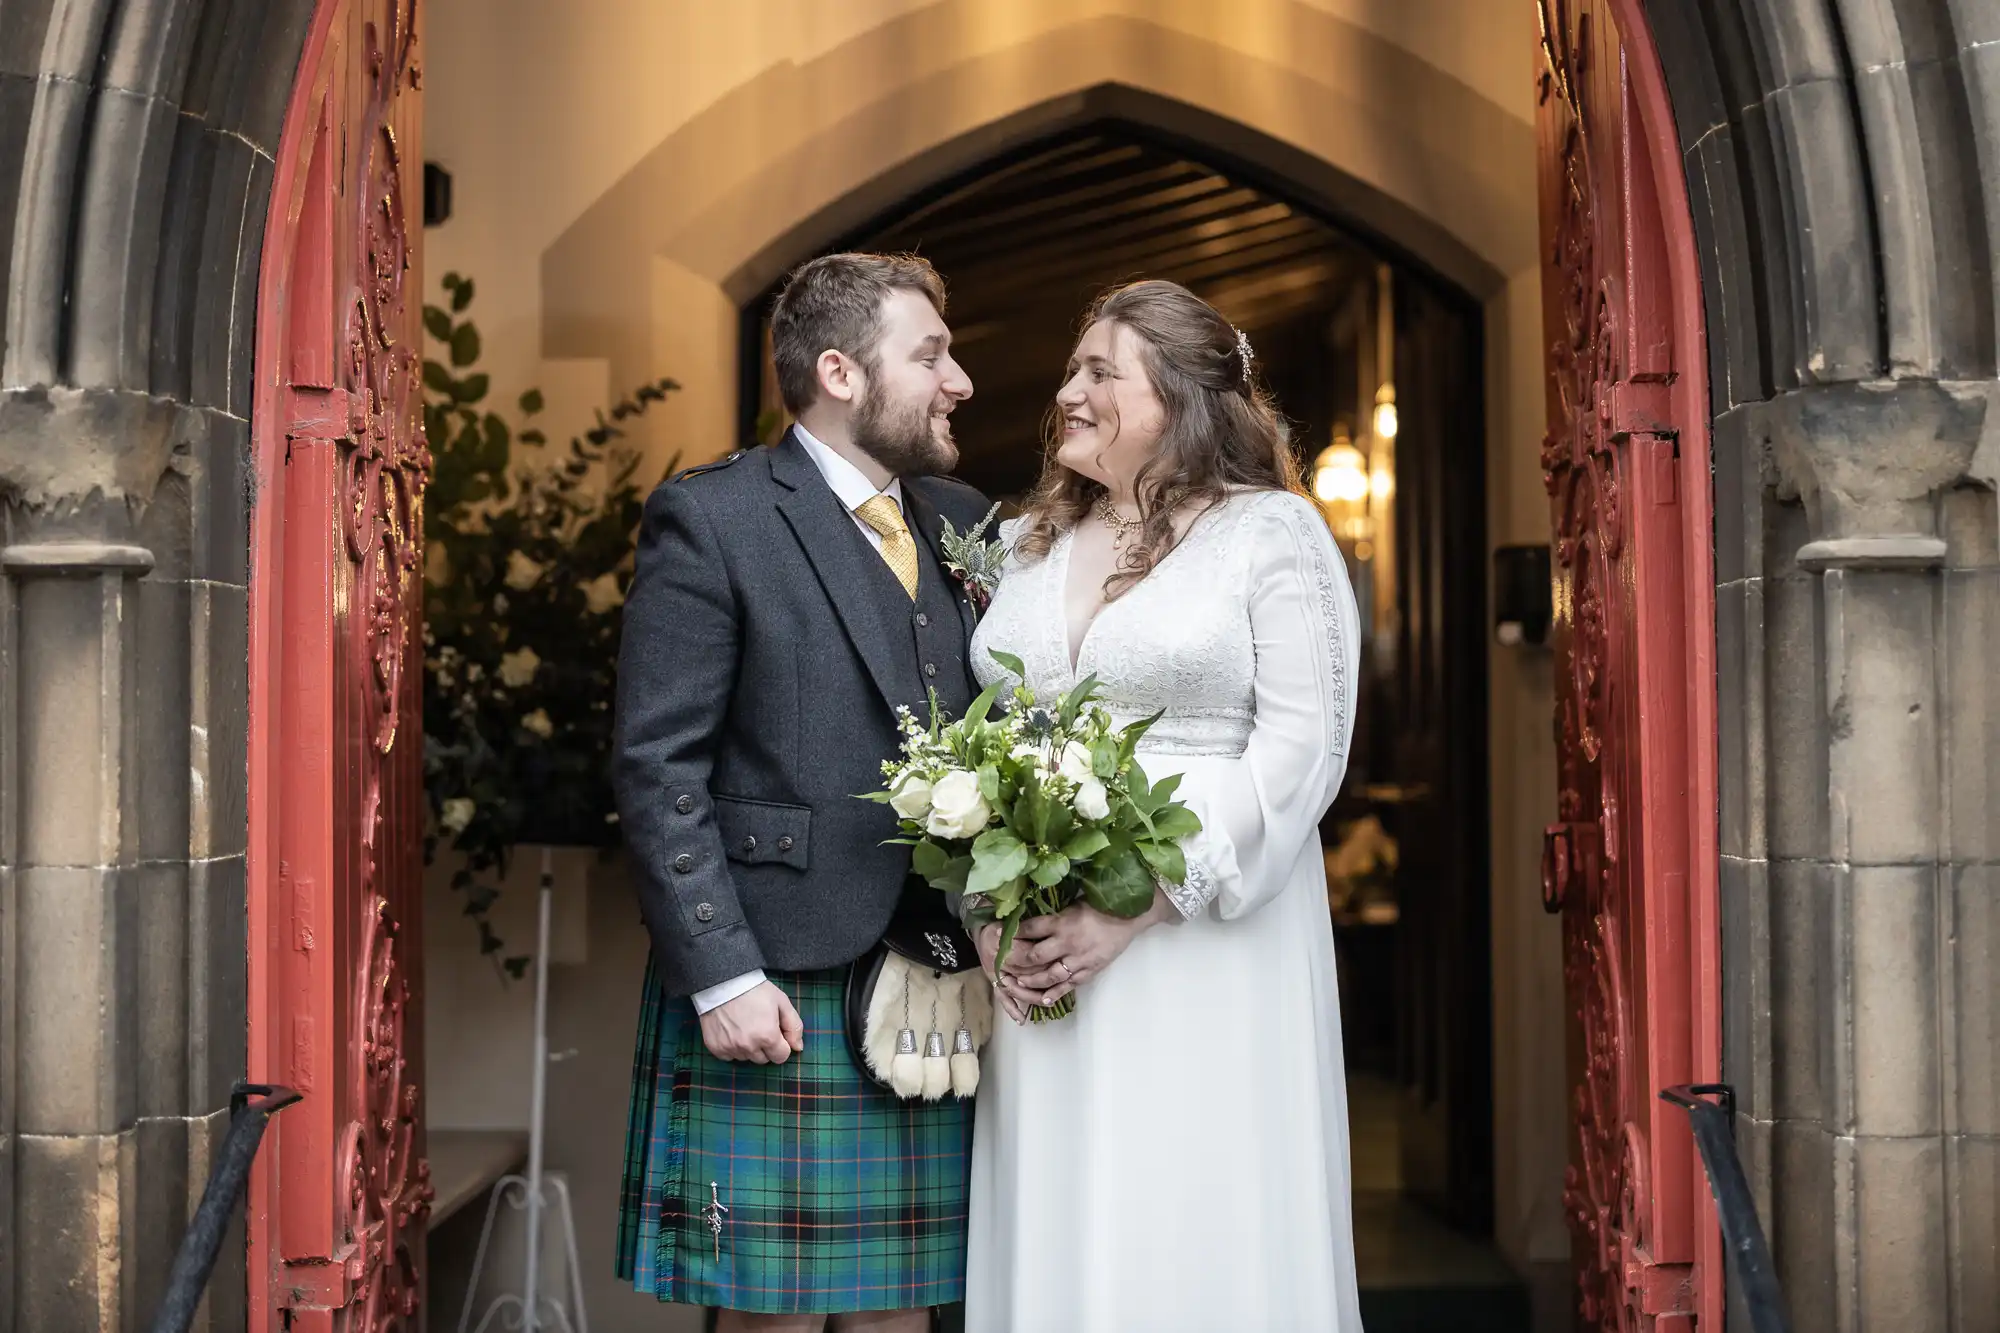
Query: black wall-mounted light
[437, 194]
[1523, 599]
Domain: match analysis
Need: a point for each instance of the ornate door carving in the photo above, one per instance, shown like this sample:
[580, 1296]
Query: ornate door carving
[342, 1189]
[1616, 865]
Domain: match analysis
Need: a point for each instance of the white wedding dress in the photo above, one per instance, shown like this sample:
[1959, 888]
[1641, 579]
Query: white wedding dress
[1173, 1157]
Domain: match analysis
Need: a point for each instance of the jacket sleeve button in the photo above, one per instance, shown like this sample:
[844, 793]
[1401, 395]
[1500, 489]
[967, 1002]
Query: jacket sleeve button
[705, 912]
[785, 843]
[685, 805]
[683, 863]
[923, 621]
[749, 846]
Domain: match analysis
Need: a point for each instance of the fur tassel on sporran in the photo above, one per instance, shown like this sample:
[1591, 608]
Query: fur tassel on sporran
[892, 1044]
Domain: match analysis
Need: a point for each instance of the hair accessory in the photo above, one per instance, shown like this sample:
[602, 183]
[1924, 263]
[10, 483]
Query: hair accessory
[1244, 354]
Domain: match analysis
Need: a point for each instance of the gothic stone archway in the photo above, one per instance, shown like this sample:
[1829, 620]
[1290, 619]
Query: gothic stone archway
[1832, 163]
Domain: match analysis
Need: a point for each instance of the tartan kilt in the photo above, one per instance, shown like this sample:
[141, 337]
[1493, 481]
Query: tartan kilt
[838, 1196]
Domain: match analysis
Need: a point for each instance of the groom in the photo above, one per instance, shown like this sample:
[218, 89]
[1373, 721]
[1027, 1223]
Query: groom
[786, 602]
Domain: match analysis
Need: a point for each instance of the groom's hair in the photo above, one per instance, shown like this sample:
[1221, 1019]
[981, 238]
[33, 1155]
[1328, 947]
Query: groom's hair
[835, 303]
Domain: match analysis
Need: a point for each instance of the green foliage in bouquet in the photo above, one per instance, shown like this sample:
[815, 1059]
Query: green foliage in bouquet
[526, 568]
[1036, 809]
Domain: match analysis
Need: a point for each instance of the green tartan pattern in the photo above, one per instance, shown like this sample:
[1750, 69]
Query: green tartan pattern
[838, 1196]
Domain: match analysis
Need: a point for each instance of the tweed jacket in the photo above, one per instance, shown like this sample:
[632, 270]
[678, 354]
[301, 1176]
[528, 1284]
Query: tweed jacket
[766, 648]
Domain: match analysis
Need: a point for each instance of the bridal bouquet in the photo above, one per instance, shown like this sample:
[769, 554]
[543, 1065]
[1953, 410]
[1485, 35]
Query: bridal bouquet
[1036, 809]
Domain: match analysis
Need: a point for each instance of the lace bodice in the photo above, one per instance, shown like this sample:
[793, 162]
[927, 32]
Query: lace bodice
[1180, 642]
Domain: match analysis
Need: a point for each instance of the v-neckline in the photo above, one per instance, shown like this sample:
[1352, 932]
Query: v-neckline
[1073, 655]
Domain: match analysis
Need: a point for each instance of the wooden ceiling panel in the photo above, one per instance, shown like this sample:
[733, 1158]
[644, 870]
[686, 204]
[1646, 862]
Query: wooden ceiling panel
[1026, 243]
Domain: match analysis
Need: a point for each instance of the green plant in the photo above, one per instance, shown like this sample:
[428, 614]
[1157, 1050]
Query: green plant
[526, 568]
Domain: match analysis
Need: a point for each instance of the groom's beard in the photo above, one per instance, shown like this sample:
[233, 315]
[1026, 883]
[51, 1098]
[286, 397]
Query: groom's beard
[900, 437]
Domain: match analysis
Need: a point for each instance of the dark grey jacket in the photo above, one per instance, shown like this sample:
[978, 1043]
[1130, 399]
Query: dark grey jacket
[766, 646]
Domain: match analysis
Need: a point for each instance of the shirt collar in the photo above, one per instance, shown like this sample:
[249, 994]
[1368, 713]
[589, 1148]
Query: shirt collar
[851, 488]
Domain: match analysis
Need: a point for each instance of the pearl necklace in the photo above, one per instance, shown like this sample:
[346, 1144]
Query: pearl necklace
[1121, 527]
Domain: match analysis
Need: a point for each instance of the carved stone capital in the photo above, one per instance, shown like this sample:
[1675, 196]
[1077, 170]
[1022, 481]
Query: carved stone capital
[73, 558]
[60, 444]
[1870, 459]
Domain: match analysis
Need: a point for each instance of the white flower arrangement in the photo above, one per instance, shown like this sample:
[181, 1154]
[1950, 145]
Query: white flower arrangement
[1035, 810]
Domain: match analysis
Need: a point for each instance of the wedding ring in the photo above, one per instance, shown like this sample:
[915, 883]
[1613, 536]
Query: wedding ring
[1067, 974]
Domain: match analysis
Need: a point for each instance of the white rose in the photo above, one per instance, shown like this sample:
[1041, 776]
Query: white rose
[912, 797]
[522, 573]
[958, 809]
[1076, 764]
[457, 813]
[518, 668]
[538, 722]
[1091, 801]
[602, 593]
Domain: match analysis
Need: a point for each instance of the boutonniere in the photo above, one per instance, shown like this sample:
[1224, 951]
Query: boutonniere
[972, 560]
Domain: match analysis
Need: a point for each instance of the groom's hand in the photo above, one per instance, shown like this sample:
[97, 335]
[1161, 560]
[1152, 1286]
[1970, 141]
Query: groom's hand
[760, 1026]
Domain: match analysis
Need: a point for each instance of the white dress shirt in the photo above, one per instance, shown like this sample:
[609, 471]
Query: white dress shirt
[852, 490]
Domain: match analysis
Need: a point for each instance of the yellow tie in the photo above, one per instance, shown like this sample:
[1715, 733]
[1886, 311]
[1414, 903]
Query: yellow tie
[899, 550]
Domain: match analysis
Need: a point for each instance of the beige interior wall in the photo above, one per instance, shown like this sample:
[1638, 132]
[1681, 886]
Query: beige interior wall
[626, 173]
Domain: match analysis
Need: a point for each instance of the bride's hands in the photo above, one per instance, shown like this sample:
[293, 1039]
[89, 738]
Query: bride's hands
[988, 941]
[1053, 955]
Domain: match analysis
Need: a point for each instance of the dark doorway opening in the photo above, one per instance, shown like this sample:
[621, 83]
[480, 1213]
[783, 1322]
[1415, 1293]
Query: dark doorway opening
[1377, 364]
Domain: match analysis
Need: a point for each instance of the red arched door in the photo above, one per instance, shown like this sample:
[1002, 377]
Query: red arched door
[1630, 865]
[341, 1190]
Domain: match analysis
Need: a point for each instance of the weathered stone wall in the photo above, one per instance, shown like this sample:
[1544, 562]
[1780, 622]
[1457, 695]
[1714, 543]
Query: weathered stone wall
[136, 153]
[1844, 164]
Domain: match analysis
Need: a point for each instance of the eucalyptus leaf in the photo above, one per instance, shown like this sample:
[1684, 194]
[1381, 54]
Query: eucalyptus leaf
[471, 389]
[1086, 843]
[994, 868]
[461, 295]
[437, 323]
[1031, 813]
[1007, 899]
[1009, 662]
[956, 875]
[1166, 860]
[1119, 886]
[1010, 926]
[997, 841]
[1061, 823]
[983, 705]
[1104, 760]
[1074, 701]
[531, 402]
[930, 860]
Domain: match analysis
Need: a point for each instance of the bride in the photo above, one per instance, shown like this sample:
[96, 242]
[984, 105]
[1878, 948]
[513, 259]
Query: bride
[1173, 1156]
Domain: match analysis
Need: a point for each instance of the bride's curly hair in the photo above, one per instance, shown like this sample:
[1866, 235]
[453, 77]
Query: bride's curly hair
[1222, 431]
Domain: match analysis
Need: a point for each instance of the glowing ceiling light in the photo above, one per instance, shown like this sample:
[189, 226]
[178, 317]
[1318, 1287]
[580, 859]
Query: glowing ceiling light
[1385, 413]
[1341, 475]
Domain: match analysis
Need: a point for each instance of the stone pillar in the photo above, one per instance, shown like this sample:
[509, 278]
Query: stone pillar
[122, 954]
[73, 937]
[1861, 751]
